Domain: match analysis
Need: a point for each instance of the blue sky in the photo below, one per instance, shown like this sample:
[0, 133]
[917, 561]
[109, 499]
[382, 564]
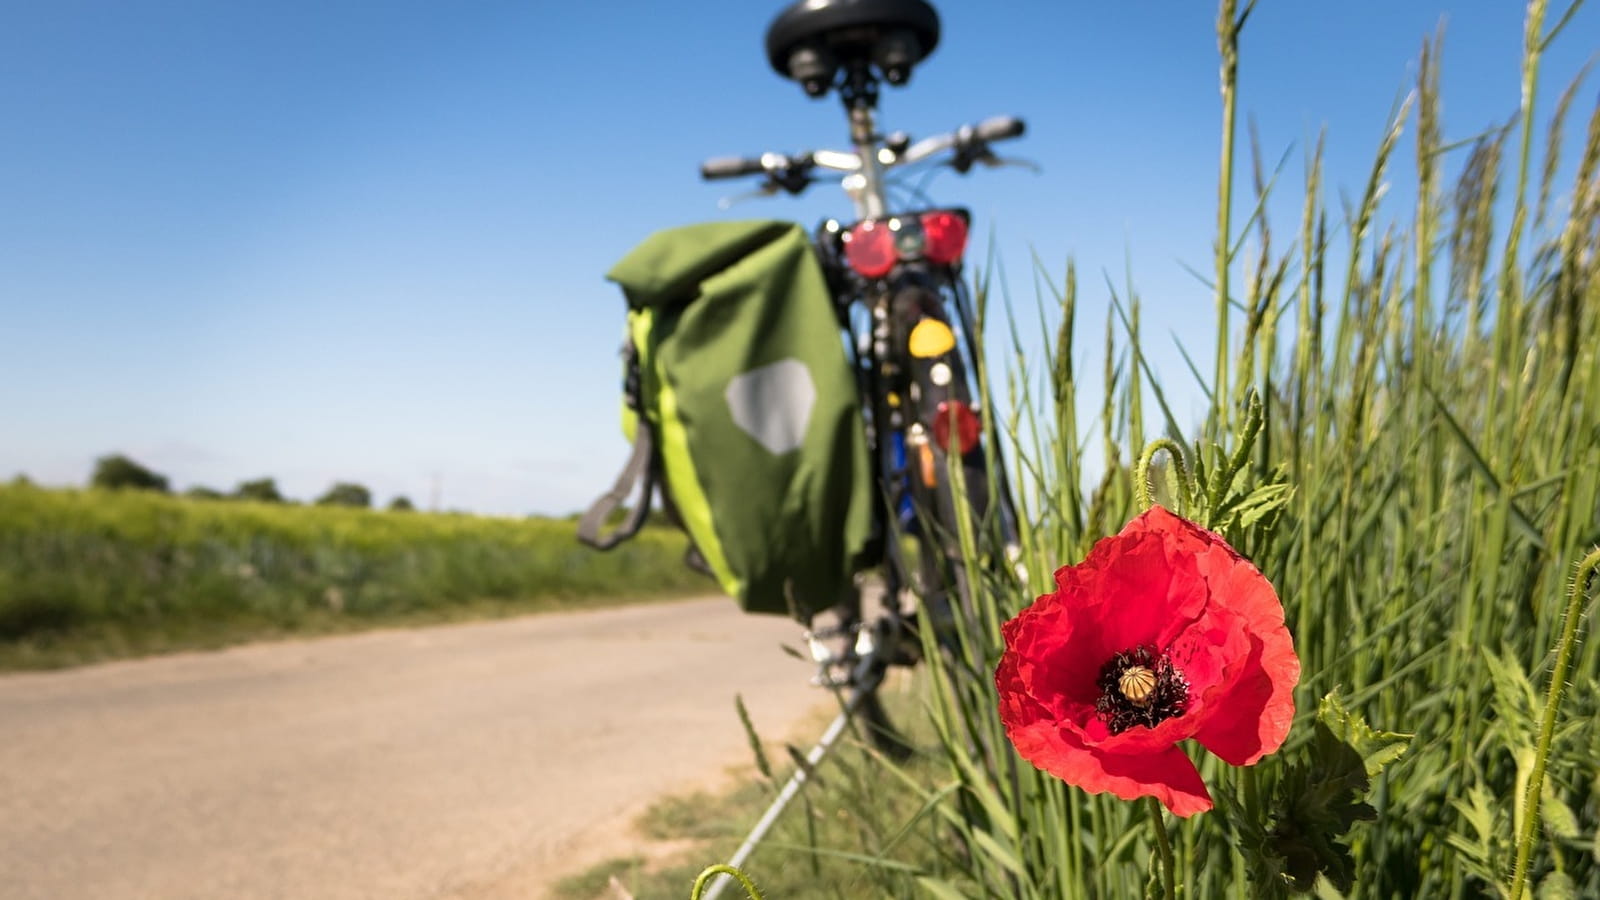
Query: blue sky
[330, 241]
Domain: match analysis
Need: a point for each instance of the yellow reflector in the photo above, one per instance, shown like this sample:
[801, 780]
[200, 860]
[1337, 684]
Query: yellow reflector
[931, 338]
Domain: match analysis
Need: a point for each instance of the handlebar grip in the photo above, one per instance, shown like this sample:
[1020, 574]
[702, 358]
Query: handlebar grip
[999, 128]
[730, 167]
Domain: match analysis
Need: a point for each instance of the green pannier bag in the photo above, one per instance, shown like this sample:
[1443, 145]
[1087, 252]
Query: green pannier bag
[742, 408]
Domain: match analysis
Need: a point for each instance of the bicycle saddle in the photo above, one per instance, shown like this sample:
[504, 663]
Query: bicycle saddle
[810, 39]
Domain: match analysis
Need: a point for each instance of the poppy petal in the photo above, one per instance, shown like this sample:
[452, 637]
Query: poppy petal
[1168, 776]
[1252, 719]
[1165, 774]
[1051, 663]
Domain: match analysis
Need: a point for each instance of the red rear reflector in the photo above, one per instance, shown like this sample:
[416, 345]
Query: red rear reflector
[945, 236]
[870, 249]
[966, 426]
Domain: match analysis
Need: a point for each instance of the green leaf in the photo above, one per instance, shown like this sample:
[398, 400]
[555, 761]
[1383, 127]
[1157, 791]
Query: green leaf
[1558, 817]
[1317, 801]
[1525, 759]
[1263, 866]
[755, 740]
[798, 757]
[1377, 748]
[999, 854]
[1519, 519]
[1482, 853]
[935, 887]
[1514, 697]
[1326, 891]
[994, 806]
[1557, 886]
[1153, 888]
[1242, 511]
[1478, 811]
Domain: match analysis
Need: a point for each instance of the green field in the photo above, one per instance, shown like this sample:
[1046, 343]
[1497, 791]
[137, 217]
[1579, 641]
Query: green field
[88, 575]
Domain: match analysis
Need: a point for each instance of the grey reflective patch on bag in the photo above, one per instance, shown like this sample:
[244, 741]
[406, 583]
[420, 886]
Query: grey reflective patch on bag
[773, 404]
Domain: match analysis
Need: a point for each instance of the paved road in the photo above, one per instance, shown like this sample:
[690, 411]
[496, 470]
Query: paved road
[460, 761]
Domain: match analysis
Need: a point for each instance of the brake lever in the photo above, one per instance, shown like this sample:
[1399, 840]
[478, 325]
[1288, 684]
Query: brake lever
[767, 189]
[996, 162]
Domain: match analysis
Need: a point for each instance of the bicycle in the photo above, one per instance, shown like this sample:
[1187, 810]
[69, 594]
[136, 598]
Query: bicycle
[896, 278]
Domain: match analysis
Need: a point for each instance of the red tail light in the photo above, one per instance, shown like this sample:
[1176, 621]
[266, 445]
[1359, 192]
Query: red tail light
[946, 236]
[967, 429]
[870, 249]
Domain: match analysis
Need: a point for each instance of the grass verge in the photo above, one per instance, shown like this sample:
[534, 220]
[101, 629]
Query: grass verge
[844, 836]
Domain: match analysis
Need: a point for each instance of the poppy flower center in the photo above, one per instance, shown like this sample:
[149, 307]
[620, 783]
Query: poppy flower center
[1140, 686]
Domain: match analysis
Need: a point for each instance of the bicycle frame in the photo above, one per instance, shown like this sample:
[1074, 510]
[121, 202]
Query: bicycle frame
[882, 362]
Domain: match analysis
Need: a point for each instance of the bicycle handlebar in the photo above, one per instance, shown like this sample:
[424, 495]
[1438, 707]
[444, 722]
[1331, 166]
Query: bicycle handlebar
[999, 128]
[966, 141]
[730, 167]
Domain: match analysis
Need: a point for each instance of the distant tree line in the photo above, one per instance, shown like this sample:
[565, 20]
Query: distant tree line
[117, 472]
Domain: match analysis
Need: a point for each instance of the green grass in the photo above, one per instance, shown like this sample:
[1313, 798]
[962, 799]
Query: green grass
[1430, 399]
[595, 881]
[820, 848]
[87, 575]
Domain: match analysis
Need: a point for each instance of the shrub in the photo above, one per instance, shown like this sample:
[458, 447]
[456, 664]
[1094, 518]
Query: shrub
[346, 493]
[117, 472]
[263, 490]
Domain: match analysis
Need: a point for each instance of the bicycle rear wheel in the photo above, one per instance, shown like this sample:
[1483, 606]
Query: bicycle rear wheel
[965, 522]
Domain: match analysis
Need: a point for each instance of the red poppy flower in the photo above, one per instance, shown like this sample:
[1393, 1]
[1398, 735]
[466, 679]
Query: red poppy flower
[1163, 633]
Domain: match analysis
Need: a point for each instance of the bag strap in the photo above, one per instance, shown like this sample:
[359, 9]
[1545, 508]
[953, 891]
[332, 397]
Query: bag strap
[639, 467]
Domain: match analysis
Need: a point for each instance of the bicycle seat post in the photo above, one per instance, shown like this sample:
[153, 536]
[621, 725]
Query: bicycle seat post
[859, 91]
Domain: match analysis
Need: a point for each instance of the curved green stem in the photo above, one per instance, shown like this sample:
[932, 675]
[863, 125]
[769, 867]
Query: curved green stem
[701, 883]
[1547, 727]
[1141, 474]
[1169, 885]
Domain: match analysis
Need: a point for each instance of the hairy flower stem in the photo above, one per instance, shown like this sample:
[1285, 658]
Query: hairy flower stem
[1141, 474]
[1547, 727]
[1169, 886]
[702, 882]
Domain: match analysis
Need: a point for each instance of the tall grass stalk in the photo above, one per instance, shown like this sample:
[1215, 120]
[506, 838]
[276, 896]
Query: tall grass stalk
[1441, 437]
[1230, 23]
